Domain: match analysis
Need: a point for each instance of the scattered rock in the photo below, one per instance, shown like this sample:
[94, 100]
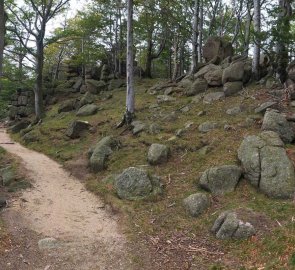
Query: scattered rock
[30, 137]
[228, 226]
[76, 128]
[101, 152]
[88, 98]
[23, 124]
[158, 153]
[68, 105]
[179, 133]
[196, 204]
[207, 126]
[197, 98]
[76, 87]
[7, 175]
[204, 150]
[214, 77]
[137, 127]
[116, 83]
[264, 106]
[48, 243]
[135, 184]
[276, 122]
[201, 113]
[95, 87]
[155, 129]
[185, 109]
[188, 125]
[185, 83]
[267, 166]
[199, 86]
[165, 98]
[87, 110]
[234, 110]
[211, 97]
[231, 88]
[221, 180]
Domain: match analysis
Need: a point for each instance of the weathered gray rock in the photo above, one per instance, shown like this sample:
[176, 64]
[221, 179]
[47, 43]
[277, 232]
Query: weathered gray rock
[76, 87]
[264, 106]
[221, 180]
[7, 175]
[116, 83]
[232, 88]
[233, 73]
[95, 87]
[211, 97]
[208, 68]
[30, 137]
[137, 127]
[196, 204]
[214, 77]
[136, 184]
[267, 166]
[19, 126]
[48, 243]
[68, 105]
[228, 226]
[234, 110]
[199, 86]
[88, 109]
[76, 129]
[185, 83]
[101, 152]
[165, 98]
[217, 49]
[276, 122]
[155, 129]
[158, 153]
[88, 98]
[207, 126]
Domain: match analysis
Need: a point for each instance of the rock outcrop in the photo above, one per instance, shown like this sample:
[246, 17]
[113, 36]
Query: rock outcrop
[267, 166]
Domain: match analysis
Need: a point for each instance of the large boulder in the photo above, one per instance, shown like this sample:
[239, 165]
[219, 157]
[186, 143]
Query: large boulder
[19, 126]
[76, 87]
[157, 154]
[101, 152]
[228, 225]
[214, 77]
[88, 98]
[221, 180]
[276, 122]
[232, 88]
[199, 86]
[266, 165]
[68, 105]
[135, 184]
[196, 204]
[77, 128]
[88, 109]
[233, 73]
[116, 83]
[95, 87]
[206, 69]
[216, 49]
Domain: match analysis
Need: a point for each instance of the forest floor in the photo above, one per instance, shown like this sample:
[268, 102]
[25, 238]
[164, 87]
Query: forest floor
[58, 224]
[158, 233]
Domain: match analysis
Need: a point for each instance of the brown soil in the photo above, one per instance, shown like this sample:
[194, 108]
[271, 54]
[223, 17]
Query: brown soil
[58, 206]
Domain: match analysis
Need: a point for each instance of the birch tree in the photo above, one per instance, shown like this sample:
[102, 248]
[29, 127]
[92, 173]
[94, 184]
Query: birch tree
[195, 37]
[33, 17]
[257, 43]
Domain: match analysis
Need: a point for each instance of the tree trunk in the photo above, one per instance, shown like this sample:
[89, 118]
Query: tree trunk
[247, 31]
[148, 65]
[39, 106]
[130, 79]
[2, 36]
[283, 39]
[175, 59]
[256, 54]
[201, 23]
[195, 37]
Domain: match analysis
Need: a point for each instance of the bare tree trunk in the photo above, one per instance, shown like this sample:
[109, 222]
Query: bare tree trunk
[148, 65]
[283, 39]
[195, 37]
[2, 35]
[256, 55]
[130, 79]
[39, 106]
[247, 30]
[59, 59]
[175, 58]
[201, 23]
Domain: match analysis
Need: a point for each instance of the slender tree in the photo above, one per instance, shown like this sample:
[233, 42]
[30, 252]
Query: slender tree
[257, 43]
[195, 37]
[3, 18]
[33, 17]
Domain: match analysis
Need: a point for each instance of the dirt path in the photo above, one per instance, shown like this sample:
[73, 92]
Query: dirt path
[59, 207]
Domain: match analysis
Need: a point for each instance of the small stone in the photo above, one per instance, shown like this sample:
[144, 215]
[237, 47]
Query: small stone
[165, 98]
[234, 111]
[179, 132]
[264, 106]
[185, 109]
[201, 113]
[211, 97]
[76, 128]
[48, 243]
[88, 109]
[158, 153]
[207, 126]
[196, 204]
[188, 124]
[138, 127]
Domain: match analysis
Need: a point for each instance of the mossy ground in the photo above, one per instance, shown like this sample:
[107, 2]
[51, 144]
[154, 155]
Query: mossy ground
[175, 240]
